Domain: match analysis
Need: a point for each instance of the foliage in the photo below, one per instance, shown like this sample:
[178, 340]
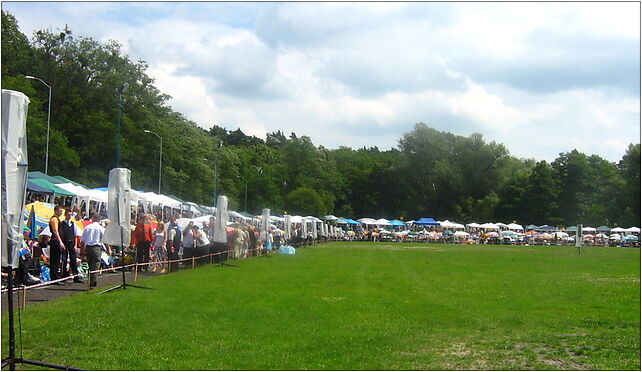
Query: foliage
[431, 173]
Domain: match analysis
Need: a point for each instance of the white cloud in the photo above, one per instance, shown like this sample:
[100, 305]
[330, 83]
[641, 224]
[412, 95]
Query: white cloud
[541, 78]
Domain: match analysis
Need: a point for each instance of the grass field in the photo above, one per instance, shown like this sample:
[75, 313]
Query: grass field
[360, 306]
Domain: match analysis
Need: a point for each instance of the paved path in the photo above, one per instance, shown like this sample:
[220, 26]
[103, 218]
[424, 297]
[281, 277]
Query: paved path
[50, 292]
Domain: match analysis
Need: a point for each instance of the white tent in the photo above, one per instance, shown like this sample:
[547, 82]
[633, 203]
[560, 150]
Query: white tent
[296, 219]
[633, 229]
[383, 222]
[489, 226]
[367, 221]
[330, 217]
[461, 234]
[618, 230]
[588, 229]
[514, 226]
[473, 225]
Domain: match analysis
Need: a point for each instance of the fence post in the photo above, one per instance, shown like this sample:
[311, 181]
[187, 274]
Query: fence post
[193, 261]
[135, 272]
[24, 298]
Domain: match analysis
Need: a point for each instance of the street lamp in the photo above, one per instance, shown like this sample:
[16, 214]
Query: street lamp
[245, 209]
[48, 121]
[160, 160]
[215, 195]
[218, 159]
[120, 111]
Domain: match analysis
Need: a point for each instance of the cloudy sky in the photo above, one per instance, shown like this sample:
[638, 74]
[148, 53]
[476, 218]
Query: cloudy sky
[541, 78]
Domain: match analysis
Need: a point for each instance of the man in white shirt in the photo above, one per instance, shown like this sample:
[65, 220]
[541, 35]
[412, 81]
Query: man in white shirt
[92, 237]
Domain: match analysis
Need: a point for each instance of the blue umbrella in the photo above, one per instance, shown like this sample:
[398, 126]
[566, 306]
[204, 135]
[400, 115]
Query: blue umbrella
[31, 223]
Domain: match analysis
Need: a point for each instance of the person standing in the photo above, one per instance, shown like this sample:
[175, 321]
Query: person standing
[92, 237]
[188, 243]
[174, 239]
[67, 230]
[201, 244]
[56, 244]
[142, 239]
[159, 252]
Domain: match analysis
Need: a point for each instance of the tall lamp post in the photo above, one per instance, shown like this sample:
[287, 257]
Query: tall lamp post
[48, 121]
[218, 159]
[245, 208]
[120, 111]
[160, 159]
[215, 195]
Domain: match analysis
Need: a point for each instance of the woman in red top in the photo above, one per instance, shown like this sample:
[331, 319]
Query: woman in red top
[142, 239]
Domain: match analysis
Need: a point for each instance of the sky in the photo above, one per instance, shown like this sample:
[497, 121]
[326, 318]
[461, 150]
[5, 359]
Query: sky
[540, 77]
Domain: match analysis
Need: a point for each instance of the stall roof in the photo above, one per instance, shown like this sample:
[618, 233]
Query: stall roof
[429, 221]
[34, 187]
[67, 180]
[51, 187]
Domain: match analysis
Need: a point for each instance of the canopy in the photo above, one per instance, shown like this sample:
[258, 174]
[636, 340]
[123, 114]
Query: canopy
[67, 180]
[571, 228]
[473, 225]
[34, 187]
[383, 222]
[514, 226]
[330, 218]
[490, 226]
[633, 229]
[546, 228]
[426, 221]
[461, 234]
[351, 221]
[397, 223]
[618, 230]
[37, 175]
[367, 221]
[531, 227]
[603, 229]
[588, 229]
[53, 188]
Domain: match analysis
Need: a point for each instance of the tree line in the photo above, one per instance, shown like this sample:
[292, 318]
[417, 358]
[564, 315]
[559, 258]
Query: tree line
[430, 173]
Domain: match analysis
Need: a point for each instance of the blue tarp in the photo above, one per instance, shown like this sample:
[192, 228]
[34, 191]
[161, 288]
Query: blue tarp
[397, 223]
[427, 221]
[546, 228]
[352, 222]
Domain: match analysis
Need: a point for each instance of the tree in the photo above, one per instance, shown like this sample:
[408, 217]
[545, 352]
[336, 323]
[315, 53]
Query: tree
[629, 168]
[304, 201]
[539, 197]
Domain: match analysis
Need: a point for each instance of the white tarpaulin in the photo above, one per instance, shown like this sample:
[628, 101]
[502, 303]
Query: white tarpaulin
[287, 219]
[220, 231]
[118, 232]
[14, 173]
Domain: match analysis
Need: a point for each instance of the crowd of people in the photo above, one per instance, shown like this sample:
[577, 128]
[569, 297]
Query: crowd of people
[68, 251]
[61, 251]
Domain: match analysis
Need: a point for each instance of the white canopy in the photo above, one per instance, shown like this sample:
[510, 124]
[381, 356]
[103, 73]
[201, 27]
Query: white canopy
[296, 219]
[500, 224]
[312, 219]
[474, 225]
[330, 218]
[588, 229]
[489, 226]
[383, 221]
[633, 229]
[618, 229]
[461, 234]
[514, 226]
[367, 221]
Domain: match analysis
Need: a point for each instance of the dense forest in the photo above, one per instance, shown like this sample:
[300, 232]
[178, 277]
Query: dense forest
[430, 173]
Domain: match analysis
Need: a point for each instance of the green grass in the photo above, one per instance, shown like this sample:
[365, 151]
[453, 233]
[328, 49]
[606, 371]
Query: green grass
[360, 306]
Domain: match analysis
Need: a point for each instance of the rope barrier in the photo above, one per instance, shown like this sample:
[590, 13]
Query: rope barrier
[101, 270]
